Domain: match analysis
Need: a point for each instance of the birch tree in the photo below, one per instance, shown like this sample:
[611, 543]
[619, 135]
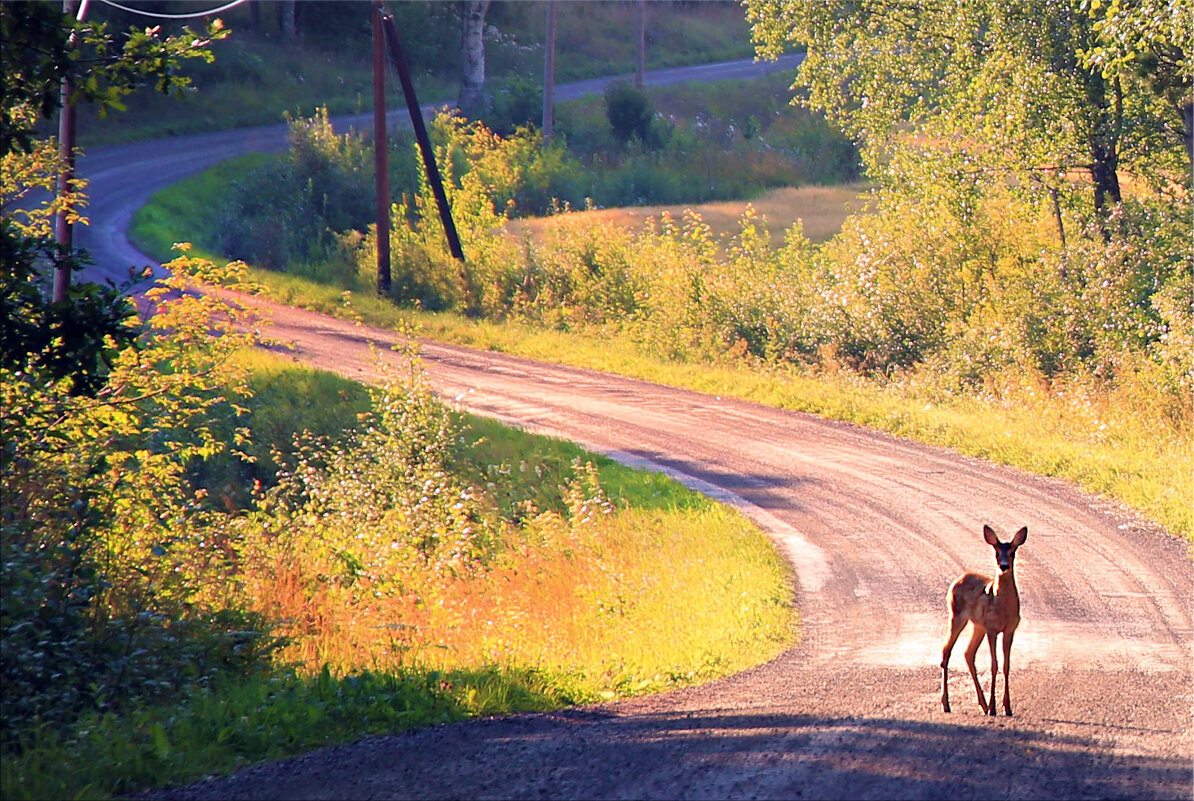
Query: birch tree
[471, 100]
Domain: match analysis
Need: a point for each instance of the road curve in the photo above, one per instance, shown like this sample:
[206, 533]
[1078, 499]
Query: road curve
[123, 177]
[875, 527]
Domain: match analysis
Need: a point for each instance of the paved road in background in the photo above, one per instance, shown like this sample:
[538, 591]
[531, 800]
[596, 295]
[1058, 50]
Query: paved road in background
[123, 177]
[875, 528]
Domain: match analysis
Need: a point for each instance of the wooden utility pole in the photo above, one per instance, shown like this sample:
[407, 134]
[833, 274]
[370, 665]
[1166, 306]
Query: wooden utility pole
[64, 233]
[381, 153]
[549, 73]
[640, 55]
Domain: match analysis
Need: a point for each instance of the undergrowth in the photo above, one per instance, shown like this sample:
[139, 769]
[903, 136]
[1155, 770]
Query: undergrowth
[333, 561]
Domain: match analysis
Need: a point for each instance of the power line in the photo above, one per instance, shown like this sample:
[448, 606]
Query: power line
[197, 15]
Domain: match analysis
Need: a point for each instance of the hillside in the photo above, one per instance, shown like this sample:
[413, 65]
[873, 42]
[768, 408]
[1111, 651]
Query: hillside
[260, 72]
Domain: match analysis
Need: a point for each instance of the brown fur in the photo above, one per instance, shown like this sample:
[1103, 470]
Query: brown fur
[992, 607]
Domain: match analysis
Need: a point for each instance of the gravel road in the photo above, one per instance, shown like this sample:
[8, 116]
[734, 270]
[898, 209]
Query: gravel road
[875, 527]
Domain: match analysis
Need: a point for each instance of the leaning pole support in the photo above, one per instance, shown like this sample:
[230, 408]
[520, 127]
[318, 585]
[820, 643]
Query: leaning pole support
[398, 59]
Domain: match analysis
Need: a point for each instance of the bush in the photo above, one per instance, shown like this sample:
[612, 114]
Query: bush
[109, 595]
[629, 112]
[288, 212]
[517, 103]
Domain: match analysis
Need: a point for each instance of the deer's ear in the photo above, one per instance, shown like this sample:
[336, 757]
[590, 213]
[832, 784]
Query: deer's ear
[989, 536]
[1021, 535]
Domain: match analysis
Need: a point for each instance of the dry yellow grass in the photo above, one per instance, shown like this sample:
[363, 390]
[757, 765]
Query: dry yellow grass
[822, 208]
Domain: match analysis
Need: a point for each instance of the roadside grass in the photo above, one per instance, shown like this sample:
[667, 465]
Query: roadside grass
[658, 587]
[594, 38]
[194, 204]
[229, 727]
[1132, 459]
[1107, 443]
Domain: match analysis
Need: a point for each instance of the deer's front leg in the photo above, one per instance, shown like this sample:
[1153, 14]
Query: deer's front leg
[1007, 666]
[957, 623]
[991, 635]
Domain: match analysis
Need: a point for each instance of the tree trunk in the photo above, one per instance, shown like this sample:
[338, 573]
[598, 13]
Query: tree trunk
[1186, 111]
[290, 18]
[472, 100]
[1104, 142]
[640, 54]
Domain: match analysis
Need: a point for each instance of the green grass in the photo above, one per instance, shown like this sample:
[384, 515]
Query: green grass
[706, 595]
[231, 726]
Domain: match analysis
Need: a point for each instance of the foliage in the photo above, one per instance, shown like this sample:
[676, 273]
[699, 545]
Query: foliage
[76, 337]
[108, 594]
[43, 47]
[96, 412]
[288, 211]
[517, 103]
[1147, 43]
[73, 338]
[629, 112]
[294, 213]
[1030, 91]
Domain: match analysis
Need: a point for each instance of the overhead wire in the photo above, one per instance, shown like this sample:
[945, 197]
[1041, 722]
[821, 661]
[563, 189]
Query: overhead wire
[154, 15]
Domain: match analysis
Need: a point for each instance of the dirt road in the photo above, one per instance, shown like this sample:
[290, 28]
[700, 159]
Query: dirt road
[875, 527]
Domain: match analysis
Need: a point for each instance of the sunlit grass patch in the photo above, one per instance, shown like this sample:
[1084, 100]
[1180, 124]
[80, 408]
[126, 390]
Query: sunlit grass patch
[821, 210]
[614, 580]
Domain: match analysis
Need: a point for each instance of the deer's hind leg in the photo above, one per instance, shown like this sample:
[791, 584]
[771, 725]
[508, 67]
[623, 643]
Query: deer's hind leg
[991, 636]
[976, 637]
[956, 624]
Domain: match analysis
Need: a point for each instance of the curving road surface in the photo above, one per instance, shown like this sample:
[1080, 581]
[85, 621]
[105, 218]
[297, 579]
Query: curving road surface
[875, 528]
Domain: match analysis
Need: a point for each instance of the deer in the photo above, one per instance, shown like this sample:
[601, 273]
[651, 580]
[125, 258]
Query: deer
[992, 606]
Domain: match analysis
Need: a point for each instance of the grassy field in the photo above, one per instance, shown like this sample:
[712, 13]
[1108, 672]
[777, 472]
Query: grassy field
[820, 209]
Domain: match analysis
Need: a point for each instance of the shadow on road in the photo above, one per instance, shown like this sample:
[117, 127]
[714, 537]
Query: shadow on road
[800, 756]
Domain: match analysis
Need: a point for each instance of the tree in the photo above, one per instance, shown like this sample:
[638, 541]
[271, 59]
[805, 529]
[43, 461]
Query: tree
[39, 53]
[472, 100]
[75, 337]
[1035, 90]
[629, 112]
[101, 413]
[1149, 41]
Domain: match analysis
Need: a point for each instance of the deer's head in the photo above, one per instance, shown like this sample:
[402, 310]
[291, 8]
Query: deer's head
[1005, 552]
